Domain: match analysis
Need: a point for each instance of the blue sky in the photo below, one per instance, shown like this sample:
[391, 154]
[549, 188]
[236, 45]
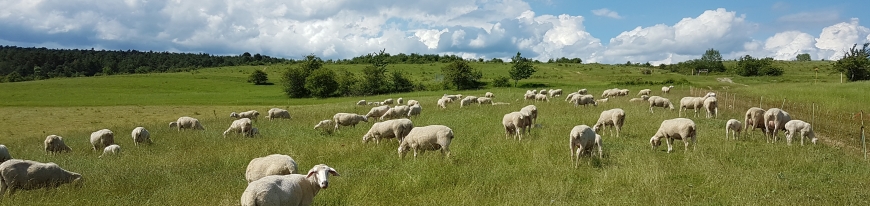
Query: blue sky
[595, 31]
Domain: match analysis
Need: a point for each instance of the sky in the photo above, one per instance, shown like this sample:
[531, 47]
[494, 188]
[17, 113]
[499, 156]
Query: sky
[616, 31]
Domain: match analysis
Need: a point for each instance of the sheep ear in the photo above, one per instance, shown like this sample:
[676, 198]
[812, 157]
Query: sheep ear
[312, 172]
[333, 172]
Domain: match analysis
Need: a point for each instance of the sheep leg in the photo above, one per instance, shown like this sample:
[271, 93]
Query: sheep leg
[670, 147]
[577, 158]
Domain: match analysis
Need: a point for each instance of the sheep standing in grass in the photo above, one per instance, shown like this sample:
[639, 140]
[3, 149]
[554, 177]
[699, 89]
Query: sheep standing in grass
[414, 110]
[583, 100]
[55, 144]
[412, 102]
[400, 100]
[141, 135]
[795, 126]
[754, 118]
[111, 150]
[432, 137]
[326, 125]
[452, 97]
[582, 140]
[542, 97]
[644, 92]
[667, 89]
[613, 118]
[555, 92]
[515, 124]
[484, 100]
[388, 101]
[397, 128]
[774, 120]
[361, 102]
[467, 101]
[711, 104]
[531, 111]
[243, 126]
[347, 119]
[583, 91]
[611, 93]
[442, 103]
[377, 111]
[292, 189]
[278, 113]
[252, 114]
[4, 153]
[17, 174]
[274, 164]
[657, 101]
[102, 138]
[598, 101]
[571, 96]
[678, 128]
[735, 127]
[396, 112]
[642, 98]
[489, 95]
[529, 96]
[186, 123]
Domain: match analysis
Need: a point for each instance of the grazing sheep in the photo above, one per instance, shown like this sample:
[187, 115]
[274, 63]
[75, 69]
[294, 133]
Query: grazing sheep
[452, 97]
[657, 101]
[667, 89]
[774, 120]
[754, 118]
[677, 128]
[806, 130]
[377, 111]
[347, 119]
[442, 103]
[274, 164]
[252, 114]
[613, 118]
[396, 112]
[186, 123]
[397, 128]
[515, 124]
[242, 126]
[111, 150]
[611, 93]
[278, 113]
[583, 100]
[543, 91]
[376, 103]
[388, 101]
[400, 101]
[581, 141]
[712, 107]
[541, 97]
[601, 100]
[644, 92]
[555, 92]
[292, 189]
[693, 103]
[55, 144]
[412, 102]
[432, 137]
[643, 98]
[500, 103]
[489, 95]
[141, 135]
[414, 110]
[529, 96]
[327, 125]
[20, 174]
[531, 111]
[361, 102]
[102, 138]
[4, 153]
[467, 101]
[571, 96]
[623, 92]
[735, 127]
[583, 91]
[484, 100]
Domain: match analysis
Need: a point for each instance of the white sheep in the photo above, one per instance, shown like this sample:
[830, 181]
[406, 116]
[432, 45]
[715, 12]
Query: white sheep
[327, 125]
[55, 144]
[644, 92]
[377, 111]
[278, 113]
[398, 111]
[795, 126]
[397, 128]
[414, 110]
[489, 95]
[623, 92]
[186, 123]
[667, 89]
[754, 118]
[111, 150]
[400, 101]
[252, 114]
[693, 103]
[543, 91]
[432, 137]
[711, 104]
[274, 164]
[541, 97]
[376, 103]
[515, 123]
[611, 93]
[17, 174]
[452, 97]
[583, 91]
[531, 111]
[642, 98]
[292, 189]
[484, 100]
[243, 126]
[467, 101]
[555, 92]
[601, 100]
[141, 135]
[677, 128]
[583, 100]
[774, 120]
[388, 101]
[529, 96]
[412, 102]
[582, 140]
[735, 127]
[4, 153]
[613, 118]
[102, 138]
[657, 101]
[361, 102]
[347, 119]
[442, 103]
[570, 96]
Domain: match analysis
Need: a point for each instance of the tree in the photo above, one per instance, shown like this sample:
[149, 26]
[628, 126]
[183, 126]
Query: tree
[401, 83]
[522, 68]
[854, 63]
[501, 81]
[711, 61]
[321, 83]
[749, 66]
[258, 77]
[803, 57]
[375, 76]
[461, 76]
[347, 84]
[295, 77]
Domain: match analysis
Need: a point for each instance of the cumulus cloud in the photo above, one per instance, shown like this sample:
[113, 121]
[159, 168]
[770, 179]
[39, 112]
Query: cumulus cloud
[836, 39]
[606, 13]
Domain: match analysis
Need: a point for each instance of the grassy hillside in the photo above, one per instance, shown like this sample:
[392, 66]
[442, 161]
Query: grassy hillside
[203, 168]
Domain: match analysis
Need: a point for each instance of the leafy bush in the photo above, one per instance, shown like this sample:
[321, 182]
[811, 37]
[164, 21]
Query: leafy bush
[321, 83]
[401, 83]
[258, 77]
[854, 63]
[461, 76]
[501, 81]
[749, 66]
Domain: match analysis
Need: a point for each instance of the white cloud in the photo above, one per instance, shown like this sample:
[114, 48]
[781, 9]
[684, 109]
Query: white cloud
[606, 13]
[835, 40]
[787, 45]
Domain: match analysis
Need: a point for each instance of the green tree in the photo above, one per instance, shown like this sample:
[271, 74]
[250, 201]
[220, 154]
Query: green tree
[258, 77]
[749, 66]
[295, 77]
[321, 83]
[375, 76]
[401, 83]
[501, 81]
[521, 69]
[803, 57]
[854, 63]
[347, 84]
[461, 76]
[711, 61]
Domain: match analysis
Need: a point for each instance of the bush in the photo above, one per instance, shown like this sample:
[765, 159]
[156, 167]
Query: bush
[294, 82]
[258, 77]
[461, 76]
[401, 83]
[321, 83]
[501, 81]
[347, 84]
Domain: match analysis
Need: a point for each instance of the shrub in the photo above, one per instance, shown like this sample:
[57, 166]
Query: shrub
[321, 83]
[258, 77]
[501, 81]
[460, 75]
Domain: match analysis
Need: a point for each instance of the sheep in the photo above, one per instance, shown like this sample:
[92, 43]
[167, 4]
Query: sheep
[754, 118]
[712, 107]
[18, 174]
[397, 128]
[412, 102]
[774, 120]
[4, 153]
[102, 138]
[584, 100]
[327, 125]
[529, 96]
[432, 137]
[242, 125]
[677, 128]
[735, 127]
[414, 110]
[452, 97]
[613, 118]
[657, 101]
[531, 111]
[111, 150]
[377, 111]
[186, 123]
[395, 112]
[643, 98]
[693, 103]
[489, 95]
[583, 91]
[484, 100]
[278, 113]
[667, 89]
[376, 103]
[361, 102]
[543, 91]
[141, 135]
[500, 103]
[601, 100]
[644, 92]
[442, 103]
[806, 130]
[55, 144]
[400, 101]
[611, 93]
[515, 124]
[467, 101]
[571, 96]
[388, 101]
[274, 164]
[582, 140]
[623, 92]
[252, 114]
[347, 119]
[292, 189]
[555, 92]
[541, 97]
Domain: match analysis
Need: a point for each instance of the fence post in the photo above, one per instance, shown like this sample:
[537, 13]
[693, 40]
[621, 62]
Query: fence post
[863, 144]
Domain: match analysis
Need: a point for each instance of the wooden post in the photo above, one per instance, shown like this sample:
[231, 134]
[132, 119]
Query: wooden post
[841, 77]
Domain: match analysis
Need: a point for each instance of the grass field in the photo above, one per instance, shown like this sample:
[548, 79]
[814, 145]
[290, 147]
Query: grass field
[203, 168]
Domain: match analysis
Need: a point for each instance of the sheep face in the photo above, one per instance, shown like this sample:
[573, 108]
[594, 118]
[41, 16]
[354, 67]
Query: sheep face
[655, 142]
[321, 172]
[173, 124]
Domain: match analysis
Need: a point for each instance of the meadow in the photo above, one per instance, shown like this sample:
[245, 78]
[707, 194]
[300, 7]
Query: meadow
[485, 167]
